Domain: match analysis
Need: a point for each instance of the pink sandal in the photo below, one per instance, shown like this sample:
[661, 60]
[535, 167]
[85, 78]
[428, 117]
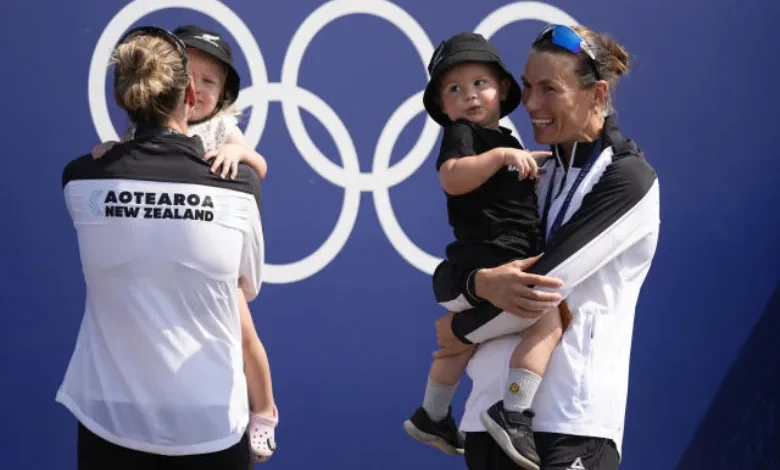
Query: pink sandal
[261, 435]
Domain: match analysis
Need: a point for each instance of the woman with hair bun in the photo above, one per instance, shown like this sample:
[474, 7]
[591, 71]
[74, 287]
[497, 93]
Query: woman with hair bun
[600, 210]
[167, 247]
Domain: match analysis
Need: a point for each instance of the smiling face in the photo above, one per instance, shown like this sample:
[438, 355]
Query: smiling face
[473, 91]
[561, 110]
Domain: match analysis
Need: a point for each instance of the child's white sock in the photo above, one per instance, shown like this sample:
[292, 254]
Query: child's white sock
[437, 399]
[521, 389]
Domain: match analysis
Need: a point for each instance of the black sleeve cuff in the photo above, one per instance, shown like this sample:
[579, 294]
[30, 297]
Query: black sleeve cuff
[459, 327]
[469, 289]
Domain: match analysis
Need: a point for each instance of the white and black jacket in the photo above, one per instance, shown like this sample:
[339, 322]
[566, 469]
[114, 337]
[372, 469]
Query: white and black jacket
[615, 205]
[602, 253]
[165, 246]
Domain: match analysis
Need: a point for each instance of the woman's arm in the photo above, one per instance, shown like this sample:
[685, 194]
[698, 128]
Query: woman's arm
[622, 209]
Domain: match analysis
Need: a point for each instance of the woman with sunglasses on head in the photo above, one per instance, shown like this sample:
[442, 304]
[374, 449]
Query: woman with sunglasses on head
[156, 379]
[600, 210]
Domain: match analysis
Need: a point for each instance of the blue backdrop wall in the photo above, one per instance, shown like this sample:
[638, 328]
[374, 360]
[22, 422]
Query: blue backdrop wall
[355, 219]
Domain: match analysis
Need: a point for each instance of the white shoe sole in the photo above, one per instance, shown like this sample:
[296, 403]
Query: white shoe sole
[430, 439]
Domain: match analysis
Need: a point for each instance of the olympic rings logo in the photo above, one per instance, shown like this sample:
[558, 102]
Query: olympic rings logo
[292, 97]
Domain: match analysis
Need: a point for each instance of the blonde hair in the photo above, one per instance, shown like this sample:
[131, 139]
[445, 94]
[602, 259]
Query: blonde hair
[150, 77]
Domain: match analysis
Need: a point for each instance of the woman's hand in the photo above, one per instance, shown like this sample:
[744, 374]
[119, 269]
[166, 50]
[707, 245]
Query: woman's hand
[511, 289]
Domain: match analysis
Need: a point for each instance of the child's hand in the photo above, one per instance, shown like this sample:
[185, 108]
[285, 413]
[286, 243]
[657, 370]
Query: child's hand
[228, 157]
[101, 149]
[231, 154]
[524, 161]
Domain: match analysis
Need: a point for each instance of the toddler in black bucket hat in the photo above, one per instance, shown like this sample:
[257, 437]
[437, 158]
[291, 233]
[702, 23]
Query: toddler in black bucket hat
[215, 46]
[214, 118]
[467, 48]
[488, 180]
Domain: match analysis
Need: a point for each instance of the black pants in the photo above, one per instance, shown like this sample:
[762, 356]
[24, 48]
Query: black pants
[557, 451]
[95, 453]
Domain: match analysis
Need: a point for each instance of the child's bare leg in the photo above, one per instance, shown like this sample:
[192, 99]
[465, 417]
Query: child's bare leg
[443, 379]
[263, 417]
[510, 422]
[258, 378]
[448, 370]
[529, 360]
[432, 423]
[256, 367]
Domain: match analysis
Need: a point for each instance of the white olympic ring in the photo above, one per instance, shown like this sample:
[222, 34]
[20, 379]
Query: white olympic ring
[260, 93]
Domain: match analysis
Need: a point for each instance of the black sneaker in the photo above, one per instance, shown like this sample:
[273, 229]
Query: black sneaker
[443, 435]
[513, 432]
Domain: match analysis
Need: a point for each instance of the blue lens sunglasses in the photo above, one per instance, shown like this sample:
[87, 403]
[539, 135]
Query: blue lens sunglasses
[566, 38]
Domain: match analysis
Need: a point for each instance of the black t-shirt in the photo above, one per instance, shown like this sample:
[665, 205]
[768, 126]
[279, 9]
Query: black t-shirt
[498, 221]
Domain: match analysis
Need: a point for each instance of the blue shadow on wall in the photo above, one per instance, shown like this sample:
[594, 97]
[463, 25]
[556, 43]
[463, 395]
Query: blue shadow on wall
[740, 430]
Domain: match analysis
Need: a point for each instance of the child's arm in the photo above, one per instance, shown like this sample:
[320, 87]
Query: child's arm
[234, 151]
[465, 174]
[256, 366]
[102, 148]
[461, 170]
[250, 157]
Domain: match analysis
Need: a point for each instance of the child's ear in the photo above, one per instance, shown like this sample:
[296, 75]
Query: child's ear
[503, 86]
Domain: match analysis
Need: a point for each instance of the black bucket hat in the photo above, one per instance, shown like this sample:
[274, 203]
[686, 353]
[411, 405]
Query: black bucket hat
[465, 47]
[211, 43]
